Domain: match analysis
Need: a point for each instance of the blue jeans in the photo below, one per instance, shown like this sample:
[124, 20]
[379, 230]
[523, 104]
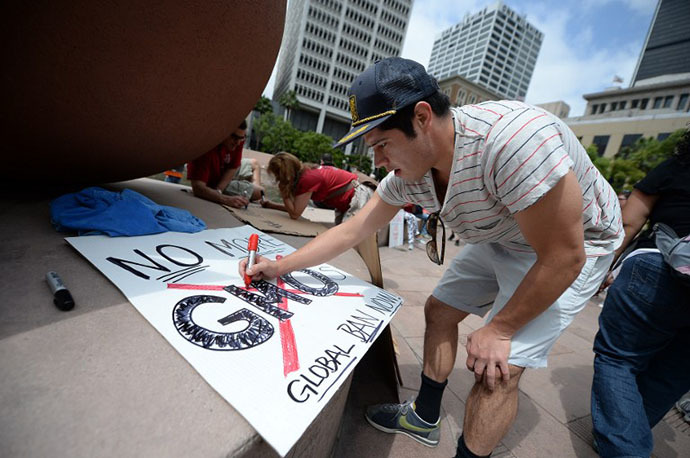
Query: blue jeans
[642, 356]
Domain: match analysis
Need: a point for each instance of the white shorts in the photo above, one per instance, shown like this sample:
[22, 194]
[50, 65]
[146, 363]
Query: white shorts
[488, 274]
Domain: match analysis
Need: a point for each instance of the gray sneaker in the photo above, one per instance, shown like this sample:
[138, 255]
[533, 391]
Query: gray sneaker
[401, 418]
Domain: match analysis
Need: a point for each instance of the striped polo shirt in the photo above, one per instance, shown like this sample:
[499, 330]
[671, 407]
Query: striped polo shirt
[507, 156]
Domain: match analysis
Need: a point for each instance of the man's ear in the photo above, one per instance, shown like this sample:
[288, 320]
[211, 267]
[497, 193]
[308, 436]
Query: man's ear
[422, 114]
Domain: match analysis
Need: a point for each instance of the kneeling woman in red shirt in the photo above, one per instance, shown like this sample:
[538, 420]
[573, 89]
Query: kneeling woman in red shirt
[328, 187]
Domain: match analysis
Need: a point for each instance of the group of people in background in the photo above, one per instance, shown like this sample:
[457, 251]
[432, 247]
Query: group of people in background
[506, 199]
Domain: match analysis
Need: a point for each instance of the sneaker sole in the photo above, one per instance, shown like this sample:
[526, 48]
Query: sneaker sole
[427, 443]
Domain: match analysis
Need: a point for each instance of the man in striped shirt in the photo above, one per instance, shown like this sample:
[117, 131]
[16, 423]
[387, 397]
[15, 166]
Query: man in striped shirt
[541, 225]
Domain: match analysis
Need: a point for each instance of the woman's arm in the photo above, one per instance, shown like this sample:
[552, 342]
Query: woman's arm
[295, 205]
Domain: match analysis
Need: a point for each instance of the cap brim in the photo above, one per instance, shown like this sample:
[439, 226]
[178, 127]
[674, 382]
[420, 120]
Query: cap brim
[359, 130]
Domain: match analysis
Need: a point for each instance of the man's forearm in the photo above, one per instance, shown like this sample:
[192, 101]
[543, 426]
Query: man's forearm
[206, 193]
[227, 177]
[543, 284]
[324, 247]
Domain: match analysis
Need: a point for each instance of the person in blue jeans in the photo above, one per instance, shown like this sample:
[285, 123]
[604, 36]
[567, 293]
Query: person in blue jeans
[642, 349]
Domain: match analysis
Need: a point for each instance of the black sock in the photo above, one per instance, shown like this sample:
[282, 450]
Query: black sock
[428, 402]
[464, 452]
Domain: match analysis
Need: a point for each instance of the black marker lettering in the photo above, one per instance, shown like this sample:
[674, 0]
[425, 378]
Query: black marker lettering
[258, 330]
[329, 286]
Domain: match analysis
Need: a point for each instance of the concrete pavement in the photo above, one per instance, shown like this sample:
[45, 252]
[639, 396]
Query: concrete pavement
[553, 415]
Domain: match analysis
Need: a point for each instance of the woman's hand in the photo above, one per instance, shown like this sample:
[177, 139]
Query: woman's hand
[262, 268]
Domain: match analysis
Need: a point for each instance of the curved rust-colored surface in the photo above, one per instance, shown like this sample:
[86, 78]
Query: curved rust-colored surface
[96, 91]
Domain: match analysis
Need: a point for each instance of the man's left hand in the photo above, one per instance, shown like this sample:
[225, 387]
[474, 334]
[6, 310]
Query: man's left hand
[488, 349]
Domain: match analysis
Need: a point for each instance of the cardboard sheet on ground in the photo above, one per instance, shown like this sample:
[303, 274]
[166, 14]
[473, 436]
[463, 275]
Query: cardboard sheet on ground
[276, 221]
[277, 351]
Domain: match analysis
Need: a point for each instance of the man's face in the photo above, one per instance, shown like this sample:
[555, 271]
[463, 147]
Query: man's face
[235, 138]
[410, 158]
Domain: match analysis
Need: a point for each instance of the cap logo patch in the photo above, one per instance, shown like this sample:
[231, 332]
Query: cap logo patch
[353, 109]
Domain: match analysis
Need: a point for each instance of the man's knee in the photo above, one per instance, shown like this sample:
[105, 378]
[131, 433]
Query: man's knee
[438, 313]
[502, 387]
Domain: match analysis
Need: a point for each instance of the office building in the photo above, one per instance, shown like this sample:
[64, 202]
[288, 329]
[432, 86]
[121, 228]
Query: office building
[326, 44]
[656, 104]
[495, 48]
[666, 49]
[462, 92]
[616, 118]
[559, 108]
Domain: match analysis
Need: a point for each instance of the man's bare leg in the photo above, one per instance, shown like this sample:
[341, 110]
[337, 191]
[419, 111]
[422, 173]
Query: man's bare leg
[440, 338]
[489, 414]
[256, 173]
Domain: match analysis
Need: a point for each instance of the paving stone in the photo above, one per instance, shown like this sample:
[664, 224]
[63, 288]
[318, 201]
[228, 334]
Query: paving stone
[562, 389]
[409, 321]
[537, 434]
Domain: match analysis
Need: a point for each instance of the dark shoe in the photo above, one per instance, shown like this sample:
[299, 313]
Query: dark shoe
[401, 418]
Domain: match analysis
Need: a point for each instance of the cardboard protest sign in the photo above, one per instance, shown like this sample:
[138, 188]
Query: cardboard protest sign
[278, 350]
[276, 221]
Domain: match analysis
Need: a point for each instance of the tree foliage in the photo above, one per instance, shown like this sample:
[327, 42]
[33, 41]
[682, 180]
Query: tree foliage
[274, 134]
[360, 161]
[263, 105]
[632, 163]
[310, 146]
[288, 100]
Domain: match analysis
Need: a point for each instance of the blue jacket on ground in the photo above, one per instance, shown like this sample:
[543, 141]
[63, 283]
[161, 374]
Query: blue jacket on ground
[98, 211]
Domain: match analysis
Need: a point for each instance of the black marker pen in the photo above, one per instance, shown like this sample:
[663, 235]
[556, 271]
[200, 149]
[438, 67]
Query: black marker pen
[61, 296]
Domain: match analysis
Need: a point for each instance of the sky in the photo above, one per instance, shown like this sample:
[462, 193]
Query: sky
[586, 42]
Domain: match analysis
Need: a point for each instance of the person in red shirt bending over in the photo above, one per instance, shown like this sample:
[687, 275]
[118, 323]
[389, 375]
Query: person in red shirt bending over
[328, 187]
[221, 175]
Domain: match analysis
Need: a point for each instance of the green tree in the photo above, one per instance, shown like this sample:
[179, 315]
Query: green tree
[310, 146]
[632, 163]
[289, 101]
[274, 134]
[360, 161]
[624, 174]
[263, 105]
[647, 153]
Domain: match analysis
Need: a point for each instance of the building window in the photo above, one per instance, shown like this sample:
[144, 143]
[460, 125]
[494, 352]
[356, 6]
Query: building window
[634, 103]
[629, 140]
[643, 104]
[602, 107]
[601, 141]
[622, 104]
[667, 101]
[614, 106]
[682, 102]
[657, 102]
[663, 136]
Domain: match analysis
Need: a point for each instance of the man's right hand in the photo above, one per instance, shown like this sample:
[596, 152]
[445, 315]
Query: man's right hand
[234, 201]
[263, 268]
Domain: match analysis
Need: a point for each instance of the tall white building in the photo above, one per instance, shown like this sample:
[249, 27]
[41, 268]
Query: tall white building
[495, 48]
[326, 44]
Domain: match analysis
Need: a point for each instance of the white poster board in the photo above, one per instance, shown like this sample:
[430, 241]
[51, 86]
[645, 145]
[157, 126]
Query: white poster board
[277, 351]
[396, 230]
